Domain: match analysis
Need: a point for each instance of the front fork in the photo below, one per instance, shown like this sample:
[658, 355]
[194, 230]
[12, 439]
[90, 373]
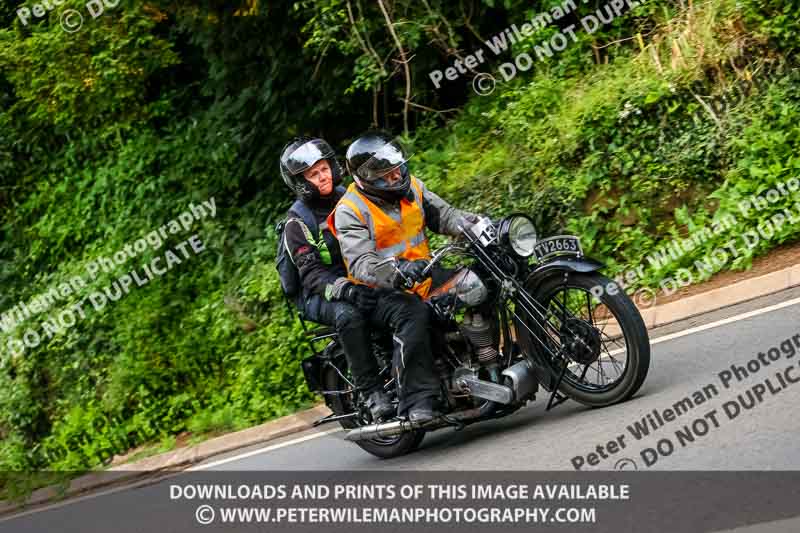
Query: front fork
[556, 398]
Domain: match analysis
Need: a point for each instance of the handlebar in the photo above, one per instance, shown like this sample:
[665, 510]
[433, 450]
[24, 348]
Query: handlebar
[437, 257]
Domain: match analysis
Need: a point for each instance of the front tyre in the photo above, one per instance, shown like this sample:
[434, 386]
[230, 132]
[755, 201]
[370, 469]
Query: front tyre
[597, 333]
[334, 379]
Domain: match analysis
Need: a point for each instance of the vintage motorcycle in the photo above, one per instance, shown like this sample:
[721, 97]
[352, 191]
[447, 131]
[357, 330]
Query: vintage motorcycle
[516, 313]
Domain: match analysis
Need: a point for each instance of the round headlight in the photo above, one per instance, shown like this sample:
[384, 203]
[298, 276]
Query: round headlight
[521, 236]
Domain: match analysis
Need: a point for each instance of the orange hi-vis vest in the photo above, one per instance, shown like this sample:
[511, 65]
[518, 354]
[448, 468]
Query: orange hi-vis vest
[403, 239]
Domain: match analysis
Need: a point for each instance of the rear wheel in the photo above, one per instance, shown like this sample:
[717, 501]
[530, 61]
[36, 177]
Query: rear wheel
[337, 378]
[597, 339]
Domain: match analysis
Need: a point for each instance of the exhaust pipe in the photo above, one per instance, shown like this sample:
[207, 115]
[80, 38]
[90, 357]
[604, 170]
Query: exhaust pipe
[387, 429]
[397, 427]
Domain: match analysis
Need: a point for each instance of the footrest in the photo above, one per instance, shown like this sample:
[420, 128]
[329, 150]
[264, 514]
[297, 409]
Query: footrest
[332, 418]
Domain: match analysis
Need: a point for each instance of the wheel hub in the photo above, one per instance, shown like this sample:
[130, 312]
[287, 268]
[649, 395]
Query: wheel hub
[580, 340]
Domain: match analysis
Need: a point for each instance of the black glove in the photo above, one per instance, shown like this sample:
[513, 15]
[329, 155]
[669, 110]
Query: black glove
[411, 271]
[364, 298]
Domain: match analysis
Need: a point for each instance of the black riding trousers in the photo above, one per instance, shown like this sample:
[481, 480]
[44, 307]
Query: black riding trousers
[354, 335]
[407, 317]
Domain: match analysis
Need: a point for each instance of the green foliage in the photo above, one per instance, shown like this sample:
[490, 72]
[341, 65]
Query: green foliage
[776, 19]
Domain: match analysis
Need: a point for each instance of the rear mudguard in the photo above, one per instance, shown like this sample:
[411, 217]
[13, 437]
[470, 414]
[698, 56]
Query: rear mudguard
[559, 266]
[314, 365]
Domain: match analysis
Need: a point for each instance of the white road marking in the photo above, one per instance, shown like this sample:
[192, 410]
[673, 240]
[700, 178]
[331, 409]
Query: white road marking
[710, 325]
[263, 450]
[77, 499]
[730, 320]
[135, 484]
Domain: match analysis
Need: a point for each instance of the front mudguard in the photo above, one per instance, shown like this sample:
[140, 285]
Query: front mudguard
[557, 267]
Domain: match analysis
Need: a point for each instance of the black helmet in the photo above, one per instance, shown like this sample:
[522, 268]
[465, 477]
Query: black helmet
[301, 154]
[371, 157]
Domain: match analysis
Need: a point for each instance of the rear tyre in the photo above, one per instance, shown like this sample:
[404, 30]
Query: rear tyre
[385, 448]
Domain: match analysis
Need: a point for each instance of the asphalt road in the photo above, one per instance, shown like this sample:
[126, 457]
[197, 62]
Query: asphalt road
[763, 437]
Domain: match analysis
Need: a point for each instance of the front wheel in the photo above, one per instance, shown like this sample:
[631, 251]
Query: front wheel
[336, 378]
[594, 335]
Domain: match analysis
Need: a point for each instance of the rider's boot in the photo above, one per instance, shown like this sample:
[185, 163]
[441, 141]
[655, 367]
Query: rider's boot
[422, 412]
[379, 404]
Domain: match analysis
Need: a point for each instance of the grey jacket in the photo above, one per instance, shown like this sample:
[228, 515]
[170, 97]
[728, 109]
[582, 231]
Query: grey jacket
[357, 239]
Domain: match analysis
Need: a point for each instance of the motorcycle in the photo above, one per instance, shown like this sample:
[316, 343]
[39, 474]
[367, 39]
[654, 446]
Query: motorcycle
[517, 313]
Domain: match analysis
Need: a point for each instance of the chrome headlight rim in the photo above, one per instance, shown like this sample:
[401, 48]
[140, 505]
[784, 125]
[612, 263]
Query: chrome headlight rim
[511, 229]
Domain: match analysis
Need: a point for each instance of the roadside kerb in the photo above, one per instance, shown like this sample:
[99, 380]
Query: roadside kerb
[726, 296]
[268, 431]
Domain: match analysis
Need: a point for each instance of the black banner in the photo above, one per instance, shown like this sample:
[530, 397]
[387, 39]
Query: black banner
[411, 501]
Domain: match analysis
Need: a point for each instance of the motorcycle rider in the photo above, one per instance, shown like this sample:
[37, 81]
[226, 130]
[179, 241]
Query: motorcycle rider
[308, 166]
[382, 219]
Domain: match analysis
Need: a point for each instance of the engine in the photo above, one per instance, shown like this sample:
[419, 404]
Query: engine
[481, 334]
[481, 376]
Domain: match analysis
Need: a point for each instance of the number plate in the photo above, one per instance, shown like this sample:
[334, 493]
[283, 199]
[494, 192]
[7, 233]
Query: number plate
[558, 245]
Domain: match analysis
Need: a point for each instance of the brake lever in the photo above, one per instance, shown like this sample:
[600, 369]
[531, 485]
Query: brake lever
[435, 260]
[406, 282]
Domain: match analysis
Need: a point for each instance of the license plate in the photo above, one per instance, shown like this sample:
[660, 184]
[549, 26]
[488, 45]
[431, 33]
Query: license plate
[558, 245]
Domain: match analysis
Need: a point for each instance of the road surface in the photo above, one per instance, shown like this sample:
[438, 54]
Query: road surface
[761, 438]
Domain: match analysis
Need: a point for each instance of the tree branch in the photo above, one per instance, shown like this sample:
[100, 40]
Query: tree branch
[367, 49]
[404, 62]
[432, 110]
[369, 43]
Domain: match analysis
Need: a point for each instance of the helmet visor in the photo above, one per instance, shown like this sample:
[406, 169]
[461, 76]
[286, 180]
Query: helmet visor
[387, 158]
[306, 155]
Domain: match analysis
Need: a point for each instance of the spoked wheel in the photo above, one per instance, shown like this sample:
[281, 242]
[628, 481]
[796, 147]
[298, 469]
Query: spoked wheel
[338, 378]
[596, 339]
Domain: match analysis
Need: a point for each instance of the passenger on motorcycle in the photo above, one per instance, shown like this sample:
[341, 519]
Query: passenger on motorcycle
[309, 168]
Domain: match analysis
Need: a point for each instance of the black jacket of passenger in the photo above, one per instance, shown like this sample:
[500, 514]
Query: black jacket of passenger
[315, 274]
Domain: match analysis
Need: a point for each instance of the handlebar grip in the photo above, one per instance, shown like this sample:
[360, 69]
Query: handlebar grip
[427, 271]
